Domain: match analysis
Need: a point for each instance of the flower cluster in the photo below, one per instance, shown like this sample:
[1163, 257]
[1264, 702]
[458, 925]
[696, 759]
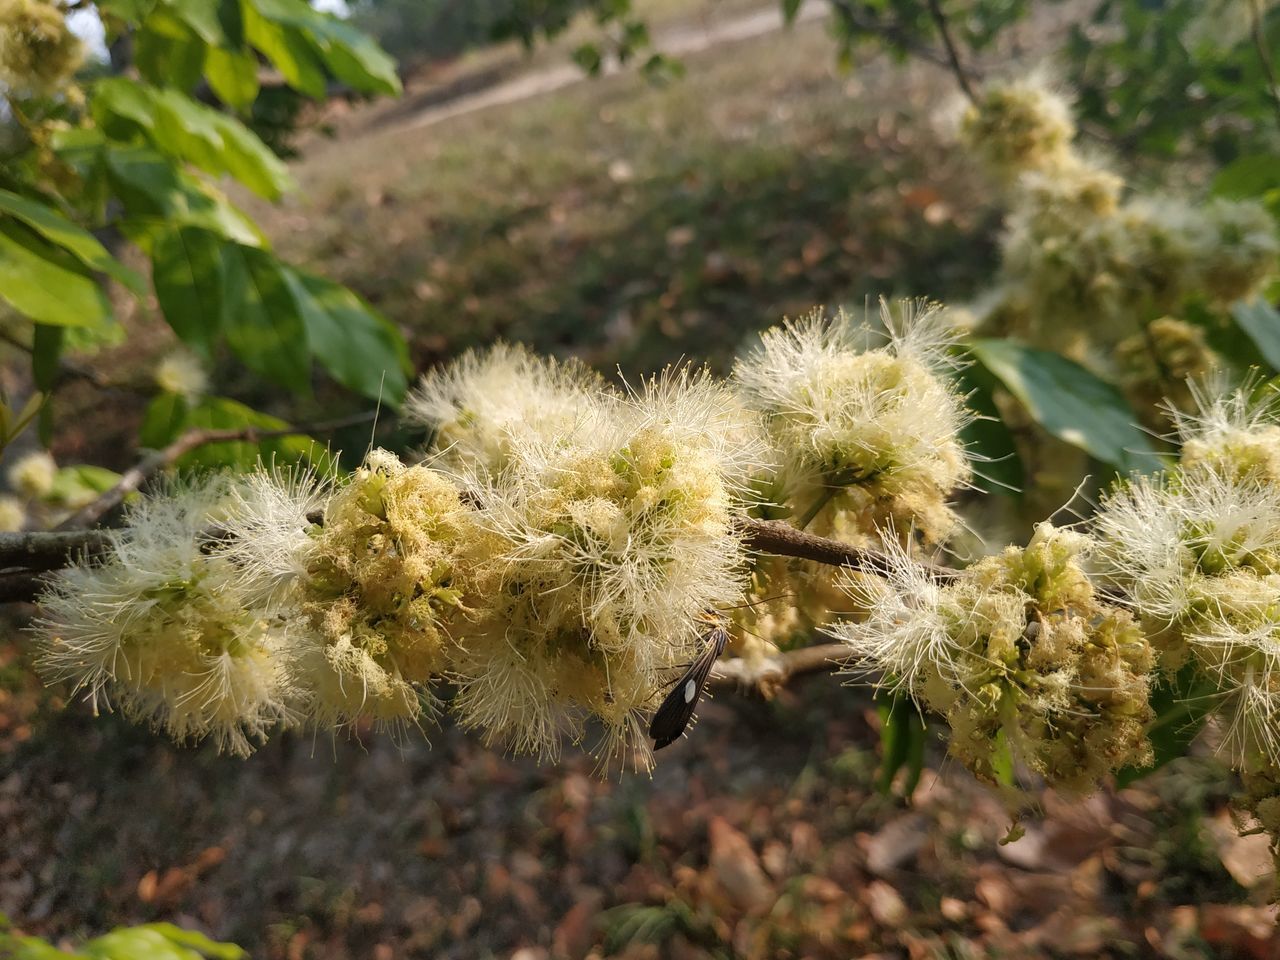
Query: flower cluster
[161, 626]
[862, 437]
[478, 406]
[1018, 654]
[1084, 266]
[618, 546]
[38, 51]
[558, 576]
[1198, 554]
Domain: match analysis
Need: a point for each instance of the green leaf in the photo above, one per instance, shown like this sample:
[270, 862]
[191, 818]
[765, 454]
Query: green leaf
[222, 413]
[233, 75]
[997, 466]
[789, 9]
[165, 417]
[898, 718]
[78, 485]
[130, 11]
[157, 194]
[167, 51]
[46, 348]
[180, 127]
[355, 343]
[46, 284]
[1248, 176]
[202, 17]
[289, 52]
[1261, 322]
[1069, 402]
[261, 319]
[198, 942]
[352, 56]
[186, 269]
[77, 241]
[1182, 704]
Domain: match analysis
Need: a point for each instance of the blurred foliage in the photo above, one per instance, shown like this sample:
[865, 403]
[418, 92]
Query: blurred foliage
[152, 941]
[96, 161]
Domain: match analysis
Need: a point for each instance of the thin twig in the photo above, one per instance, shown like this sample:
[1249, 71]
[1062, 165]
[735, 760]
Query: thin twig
[953, 52]
[782, 539]
[1264, 53]
[157, 460]
[769, 673]
[896, 33]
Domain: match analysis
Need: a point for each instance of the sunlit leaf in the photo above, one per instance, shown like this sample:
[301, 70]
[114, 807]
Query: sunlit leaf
[1069, 402]
[79, 242]
[47, 284]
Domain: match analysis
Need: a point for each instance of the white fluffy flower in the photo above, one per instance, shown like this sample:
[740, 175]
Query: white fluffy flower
[882, 424]
[480, 404]
[13, 515]
[32, 475]
[182, 373]
[159, 625]
[619, 545]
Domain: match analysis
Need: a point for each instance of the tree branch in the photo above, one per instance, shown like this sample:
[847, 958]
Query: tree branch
[900, 36]
[953, 52]
[136, 475]
[768, 674]
[784, 540]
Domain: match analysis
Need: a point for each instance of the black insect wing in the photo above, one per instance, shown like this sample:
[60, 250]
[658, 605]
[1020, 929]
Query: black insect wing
[677, 709]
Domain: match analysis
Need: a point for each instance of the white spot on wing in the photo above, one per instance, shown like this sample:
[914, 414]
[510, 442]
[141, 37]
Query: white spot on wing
[690, 689]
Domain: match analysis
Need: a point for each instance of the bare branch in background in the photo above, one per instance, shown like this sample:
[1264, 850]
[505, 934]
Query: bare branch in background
[784, 540]
[768, 674]
[137, 475]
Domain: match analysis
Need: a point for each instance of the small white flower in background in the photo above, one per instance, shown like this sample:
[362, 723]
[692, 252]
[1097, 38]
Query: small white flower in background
[1231, 430]
[1018, 126]
[481, 403]
[160, 626]
[33, 474]
[182, 372]
[13, 515]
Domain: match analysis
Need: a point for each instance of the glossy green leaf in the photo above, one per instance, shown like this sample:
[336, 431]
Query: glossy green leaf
[996, 465]
[163, 420]
[130, 11]
[186, 269]
[202, 17]
[180, 127]
[222, 413]
[156, 194]
[167, 51]
[60, 231]
[353, 57]
[261, 319]
[355, 343]
[1069, 402]
[45, 283]
[233, 76]
[1248, 176]
[289, 52]
[1261, 322]
[77, 485]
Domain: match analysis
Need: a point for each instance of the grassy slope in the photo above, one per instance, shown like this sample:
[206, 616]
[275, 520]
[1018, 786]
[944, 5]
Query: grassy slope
[638, 224]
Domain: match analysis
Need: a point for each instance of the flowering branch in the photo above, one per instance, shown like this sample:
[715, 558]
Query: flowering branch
[784, 540]
[136, 475]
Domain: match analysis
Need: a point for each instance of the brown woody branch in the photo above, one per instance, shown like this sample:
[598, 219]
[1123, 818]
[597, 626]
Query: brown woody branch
[158, 460]
[769, 673]
[784, 540]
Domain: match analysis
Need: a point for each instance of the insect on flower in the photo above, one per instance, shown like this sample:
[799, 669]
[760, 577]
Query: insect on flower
[676, 711]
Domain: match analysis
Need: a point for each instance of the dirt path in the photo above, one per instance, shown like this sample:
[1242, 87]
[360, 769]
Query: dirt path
[676, 42]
